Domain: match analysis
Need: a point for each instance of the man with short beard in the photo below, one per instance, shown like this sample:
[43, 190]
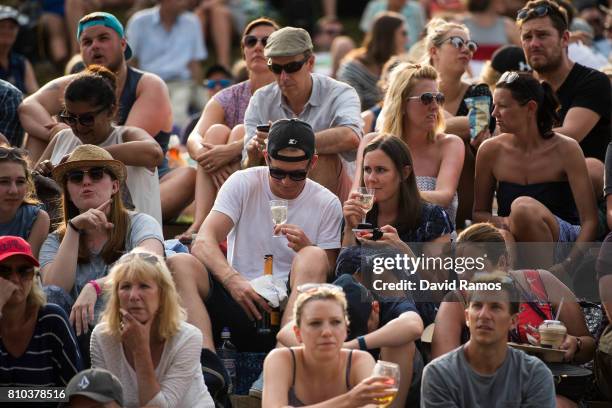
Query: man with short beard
[142, 96]
[584, 93]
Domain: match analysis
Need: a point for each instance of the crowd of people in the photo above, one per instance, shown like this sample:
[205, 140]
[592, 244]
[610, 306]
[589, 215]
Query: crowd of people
[454, 130]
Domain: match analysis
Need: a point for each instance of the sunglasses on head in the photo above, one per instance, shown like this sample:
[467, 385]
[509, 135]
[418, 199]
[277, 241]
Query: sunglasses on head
[13, 153]
[539, 11]
[213, 83]
[428, 97]
[25, 272]
[459, 43]
[95, 174]
[312, 287]
[145, 256]
[508, 77]
[295, 175]
[84, 119]
[289, 68]
[251, 41]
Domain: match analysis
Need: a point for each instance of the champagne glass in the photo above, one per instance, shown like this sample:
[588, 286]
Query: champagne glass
[366, 199]
[279, 212]
[391, 371]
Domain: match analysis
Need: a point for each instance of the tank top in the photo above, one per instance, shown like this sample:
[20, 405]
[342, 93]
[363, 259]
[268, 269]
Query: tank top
[127, 99]
[488, 38]
[428, 183]
[21, 224]
[293, 399]
[142, 183]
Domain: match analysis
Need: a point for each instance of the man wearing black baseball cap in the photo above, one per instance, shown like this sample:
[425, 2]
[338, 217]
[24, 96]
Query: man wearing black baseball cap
[306, 244]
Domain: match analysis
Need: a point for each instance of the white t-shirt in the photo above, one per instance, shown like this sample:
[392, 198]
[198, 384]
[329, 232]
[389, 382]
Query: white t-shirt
[245, 198]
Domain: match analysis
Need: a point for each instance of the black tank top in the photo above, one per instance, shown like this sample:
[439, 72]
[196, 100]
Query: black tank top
[127, 99]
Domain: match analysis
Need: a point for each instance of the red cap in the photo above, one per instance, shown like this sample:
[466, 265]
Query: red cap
[13, 246]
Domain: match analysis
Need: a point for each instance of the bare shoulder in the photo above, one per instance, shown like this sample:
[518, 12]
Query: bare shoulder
[361, 359]
[449, 142]
[565, 144]
[152, 83]
[54, 88]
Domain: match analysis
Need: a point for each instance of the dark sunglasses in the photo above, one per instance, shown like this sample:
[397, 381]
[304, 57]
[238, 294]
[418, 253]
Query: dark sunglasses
[85, 119]
[459, 43]
[251, 41]
[539, 11]
[296, 175]
[289, 68]
[95, 174]
[213, 83]
[25, 272]
[428, 97]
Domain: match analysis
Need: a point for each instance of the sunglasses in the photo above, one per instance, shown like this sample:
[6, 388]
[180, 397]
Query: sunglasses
[539, 11]
[95, 174]
[312, 287]
[508, 77]
[85, 119]
[251, 41]
[289, 68]
[428, 97]
[13, 153]
[295, 175]
[145, 256]
[459, 43]
[213, 83]
[25, 272]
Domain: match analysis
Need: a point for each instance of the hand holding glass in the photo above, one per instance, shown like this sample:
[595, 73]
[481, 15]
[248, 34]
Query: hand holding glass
[279, 212]
[366, 199]
[391, 371]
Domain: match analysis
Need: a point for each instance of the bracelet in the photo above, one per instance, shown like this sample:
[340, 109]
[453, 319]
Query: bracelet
[96, 287]
[228, 277]
[71, 225]
[362, 343]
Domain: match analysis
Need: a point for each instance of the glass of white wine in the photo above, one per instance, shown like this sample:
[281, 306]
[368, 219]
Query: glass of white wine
[392, 374]
[279, 212]
[366, 199]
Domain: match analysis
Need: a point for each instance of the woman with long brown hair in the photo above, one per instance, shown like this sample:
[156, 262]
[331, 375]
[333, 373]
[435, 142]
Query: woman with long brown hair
[362, 67]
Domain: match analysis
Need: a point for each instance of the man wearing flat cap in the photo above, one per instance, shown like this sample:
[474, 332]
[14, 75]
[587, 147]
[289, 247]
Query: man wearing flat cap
[306, 245]
[331, 107]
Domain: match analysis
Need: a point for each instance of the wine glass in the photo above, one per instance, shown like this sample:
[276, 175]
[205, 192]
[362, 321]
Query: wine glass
[391, 371]
[366, 199]
[279, 212]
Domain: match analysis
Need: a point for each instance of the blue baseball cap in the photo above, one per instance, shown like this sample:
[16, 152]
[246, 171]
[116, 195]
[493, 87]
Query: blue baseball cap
[106, 20]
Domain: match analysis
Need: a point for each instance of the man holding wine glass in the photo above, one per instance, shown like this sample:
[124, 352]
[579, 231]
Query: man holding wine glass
[304, 250]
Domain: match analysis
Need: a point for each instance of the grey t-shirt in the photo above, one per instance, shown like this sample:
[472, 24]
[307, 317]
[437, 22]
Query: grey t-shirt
[521, 381]
[142, 227]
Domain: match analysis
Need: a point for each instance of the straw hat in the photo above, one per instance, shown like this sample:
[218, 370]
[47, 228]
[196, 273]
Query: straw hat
[89, 156]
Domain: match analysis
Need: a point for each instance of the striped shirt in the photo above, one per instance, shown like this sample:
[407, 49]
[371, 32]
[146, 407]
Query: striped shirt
[52, 357]
[10, 126]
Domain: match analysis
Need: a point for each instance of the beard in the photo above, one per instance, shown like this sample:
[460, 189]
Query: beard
[549, 63]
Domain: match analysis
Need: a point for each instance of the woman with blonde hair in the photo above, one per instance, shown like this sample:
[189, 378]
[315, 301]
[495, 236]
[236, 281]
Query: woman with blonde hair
[321, 371]
[143, 338]
[38, 347]
[20, 214]
[413, 111]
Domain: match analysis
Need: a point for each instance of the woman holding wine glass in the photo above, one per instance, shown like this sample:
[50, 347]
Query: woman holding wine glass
[320, 371]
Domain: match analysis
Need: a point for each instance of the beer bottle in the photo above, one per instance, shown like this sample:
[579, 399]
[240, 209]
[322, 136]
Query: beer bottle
[270, 321]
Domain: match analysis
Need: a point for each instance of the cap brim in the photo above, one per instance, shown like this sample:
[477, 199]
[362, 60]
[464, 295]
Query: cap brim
[127, 54]
[94, 396]
[32, 260]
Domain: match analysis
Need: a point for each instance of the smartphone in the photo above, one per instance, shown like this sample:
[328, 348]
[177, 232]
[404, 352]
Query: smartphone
[263, 128]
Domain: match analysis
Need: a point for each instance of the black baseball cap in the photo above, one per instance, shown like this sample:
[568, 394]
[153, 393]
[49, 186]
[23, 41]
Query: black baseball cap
[509, 58]
[293, 133]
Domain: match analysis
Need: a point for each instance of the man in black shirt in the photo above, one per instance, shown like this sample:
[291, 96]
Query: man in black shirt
[584, 93]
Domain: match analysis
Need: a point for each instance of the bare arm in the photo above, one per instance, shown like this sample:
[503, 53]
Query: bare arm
[359, 161]
[48, 151]
[403, 329]
[197, 76]
[578, 123]
[458, 125]
[62, 271]
[453, 153]
[484, 184]
[39, 232]
[137, 149]
[447, 331]
[215, 229]
[336, 140]
[31, 83]
[36, 111]
[151, 110]
[213, 113]
[609, 210]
